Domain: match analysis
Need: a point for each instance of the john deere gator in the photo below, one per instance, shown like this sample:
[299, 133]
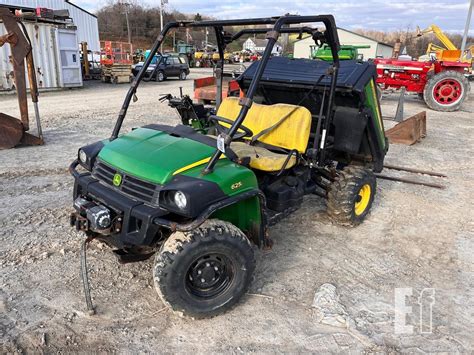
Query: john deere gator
[200, 196]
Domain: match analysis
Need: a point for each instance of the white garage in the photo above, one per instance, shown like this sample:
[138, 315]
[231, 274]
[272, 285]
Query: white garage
[302, 48]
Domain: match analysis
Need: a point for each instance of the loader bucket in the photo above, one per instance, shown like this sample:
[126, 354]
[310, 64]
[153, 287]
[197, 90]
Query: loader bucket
[12, 133]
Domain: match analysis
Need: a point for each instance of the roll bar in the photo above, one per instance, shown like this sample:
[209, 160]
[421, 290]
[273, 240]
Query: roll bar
[278, 23]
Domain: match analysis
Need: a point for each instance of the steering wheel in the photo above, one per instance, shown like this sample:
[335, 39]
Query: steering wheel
[221, 129]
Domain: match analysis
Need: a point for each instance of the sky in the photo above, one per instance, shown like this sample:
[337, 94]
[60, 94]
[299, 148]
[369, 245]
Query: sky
[383, 15]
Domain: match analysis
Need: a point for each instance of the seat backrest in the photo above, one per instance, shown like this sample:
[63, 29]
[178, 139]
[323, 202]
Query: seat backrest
[292, 133]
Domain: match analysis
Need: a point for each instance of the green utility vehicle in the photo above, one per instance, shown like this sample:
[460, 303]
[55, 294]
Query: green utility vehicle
[347, 52]
[201, 195]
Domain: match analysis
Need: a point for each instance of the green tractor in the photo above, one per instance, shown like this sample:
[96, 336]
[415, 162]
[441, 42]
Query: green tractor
[201, 195]
[347, 52]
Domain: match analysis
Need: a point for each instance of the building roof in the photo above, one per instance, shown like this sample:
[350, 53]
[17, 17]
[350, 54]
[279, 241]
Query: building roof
[80, 8]
[261, 42]
[355, 33]
[372, 39]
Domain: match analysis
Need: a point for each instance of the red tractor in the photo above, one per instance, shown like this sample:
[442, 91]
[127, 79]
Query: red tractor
[441, 84]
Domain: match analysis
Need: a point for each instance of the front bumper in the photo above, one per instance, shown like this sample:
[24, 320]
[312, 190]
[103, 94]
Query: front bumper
[140, 224]
[136, 227]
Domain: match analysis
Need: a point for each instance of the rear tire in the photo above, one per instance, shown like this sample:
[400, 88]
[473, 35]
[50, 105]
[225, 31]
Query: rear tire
[446, 91]
[182, 75]
[204, 272]
[351, 195]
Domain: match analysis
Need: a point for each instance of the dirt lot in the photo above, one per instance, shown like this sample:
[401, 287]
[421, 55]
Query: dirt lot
[416, 237]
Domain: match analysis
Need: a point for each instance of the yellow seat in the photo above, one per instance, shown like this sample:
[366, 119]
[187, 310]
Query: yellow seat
[291, 134]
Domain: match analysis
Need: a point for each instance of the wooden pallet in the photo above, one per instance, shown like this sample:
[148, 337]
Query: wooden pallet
[116, 73]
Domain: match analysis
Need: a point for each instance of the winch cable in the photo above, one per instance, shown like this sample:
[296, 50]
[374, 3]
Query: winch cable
[85, 277]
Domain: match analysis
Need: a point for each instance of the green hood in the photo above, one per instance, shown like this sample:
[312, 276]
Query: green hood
[153, 155]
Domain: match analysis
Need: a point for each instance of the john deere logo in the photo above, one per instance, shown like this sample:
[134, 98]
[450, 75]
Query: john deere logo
[117, 180]
[236, 185]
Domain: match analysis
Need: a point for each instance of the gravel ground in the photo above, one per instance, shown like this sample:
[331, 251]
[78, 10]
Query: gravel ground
[416, 237]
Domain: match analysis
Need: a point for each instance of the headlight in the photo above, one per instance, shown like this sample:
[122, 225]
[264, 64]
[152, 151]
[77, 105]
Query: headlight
[82, 156]
[174, 201]
[88, 153]
[180, 200]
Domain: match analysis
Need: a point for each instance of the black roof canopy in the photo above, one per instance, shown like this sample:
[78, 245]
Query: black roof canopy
[352, 75]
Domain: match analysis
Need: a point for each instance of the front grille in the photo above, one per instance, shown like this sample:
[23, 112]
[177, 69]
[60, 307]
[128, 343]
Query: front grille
[137, 188]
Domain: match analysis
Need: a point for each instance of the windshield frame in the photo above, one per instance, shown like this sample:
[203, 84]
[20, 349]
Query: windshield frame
[280, 25]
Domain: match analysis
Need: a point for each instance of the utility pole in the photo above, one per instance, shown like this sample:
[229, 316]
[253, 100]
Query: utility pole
[466, 28]
[127, 7]
[163, 2]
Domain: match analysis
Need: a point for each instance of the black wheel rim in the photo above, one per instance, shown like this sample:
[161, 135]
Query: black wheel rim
[209, 276]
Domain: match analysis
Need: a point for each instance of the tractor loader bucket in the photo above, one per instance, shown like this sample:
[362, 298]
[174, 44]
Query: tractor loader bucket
[409, 131]
[12, 130]
[12, 133]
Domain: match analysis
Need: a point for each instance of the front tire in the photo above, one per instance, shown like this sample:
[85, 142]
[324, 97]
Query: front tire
[446, 91]
[351, 195]
[204, 272]
[160, 76]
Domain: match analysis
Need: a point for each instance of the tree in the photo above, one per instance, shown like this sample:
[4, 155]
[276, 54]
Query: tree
[144, 24]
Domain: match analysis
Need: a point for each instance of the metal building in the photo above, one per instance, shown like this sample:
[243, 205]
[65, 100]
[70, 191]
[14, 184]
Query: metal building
[87, 25]
[377, 49]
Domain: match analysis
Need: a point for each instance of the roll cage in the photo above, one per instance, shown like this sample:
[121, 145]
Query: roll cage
[280, 25]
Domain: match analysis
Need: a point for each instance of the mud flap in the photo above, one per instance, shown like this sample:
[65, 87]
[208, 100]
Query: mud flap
[349, 126]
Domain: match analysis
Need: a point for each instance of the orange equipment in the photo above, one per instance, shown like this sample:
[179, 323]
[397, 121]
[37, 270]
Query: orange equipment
[116, 53]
